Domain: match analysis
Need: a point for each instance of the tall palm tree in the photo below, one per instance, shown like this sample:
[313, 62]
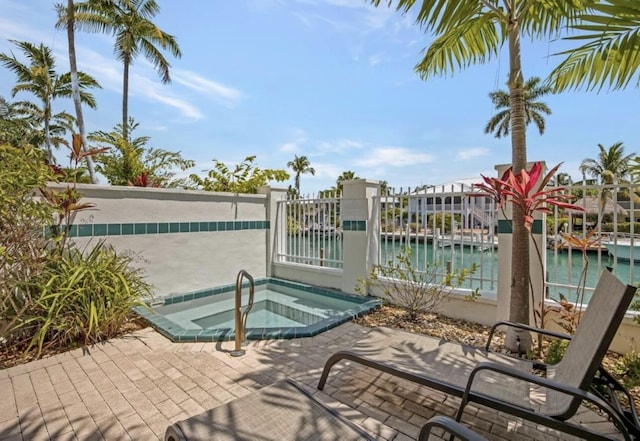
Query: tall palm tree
[611, 165]
[610, 55]
[473, 31]
[40, 78]
[300, 165]
[68, 12]
[130, 23]
[533, 109]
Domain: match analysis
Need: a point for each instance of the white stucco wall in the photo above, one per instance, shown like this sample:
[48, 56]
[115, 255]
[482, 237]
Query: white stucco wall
[182, 261]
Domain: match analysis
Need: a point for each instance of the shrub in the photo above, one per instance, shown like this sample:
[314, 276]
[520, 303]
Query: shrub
[83, 298]
[444, 221]
[555, 351]
[623, 227]
[629, 368]
[417, 291]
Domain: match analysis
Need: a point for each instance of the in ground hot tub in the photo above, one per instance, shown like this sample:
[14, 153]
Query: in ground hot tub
[281, 309]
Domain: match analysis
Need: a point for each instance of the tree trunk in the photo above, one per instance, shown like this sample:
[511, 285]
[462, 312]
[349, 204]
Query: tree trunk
[519, 306]
[47, 136]
[75, 88]
[125, 98]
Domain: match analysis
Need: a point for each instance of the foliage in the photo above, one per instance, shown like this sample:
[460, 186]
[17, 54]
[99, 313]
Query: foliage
[83, 297]
[300, 165]
[610, 166]
[245, 177]
[40, 79]
[609, 55]
[417, 291]
[129, 21]
[629, 368]
[554, 225]
[130, 162]
[444, 221]
[533, 109]
[621, 227]
[555, 351]
[346, 175]
[51, 293]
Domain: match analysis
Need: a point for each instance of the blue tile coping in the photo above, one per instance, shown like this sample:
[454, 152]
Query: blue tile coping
[176, 333]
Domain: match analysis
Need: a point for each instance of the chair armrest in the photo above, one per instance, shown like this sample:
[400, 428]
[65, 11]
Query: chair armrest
[548, 332]
[450, 426]
[541, 381]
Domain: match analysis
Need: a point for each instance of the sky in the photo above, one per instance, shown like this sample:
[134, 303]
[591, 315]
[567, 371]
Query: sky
[332, 80]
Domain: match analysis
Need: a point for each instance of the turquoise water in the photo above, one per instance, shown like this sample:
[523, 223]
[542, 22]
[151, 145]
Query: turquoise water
[563, 267]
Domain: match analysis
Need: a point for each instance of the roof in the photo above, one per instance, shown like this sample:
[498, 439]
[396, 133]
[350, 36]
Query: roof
[591, 205]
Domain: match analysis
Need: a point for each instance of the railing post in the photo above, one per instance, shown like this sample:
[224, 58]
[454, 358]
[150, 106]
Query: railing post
[360, 231]
[277, 232]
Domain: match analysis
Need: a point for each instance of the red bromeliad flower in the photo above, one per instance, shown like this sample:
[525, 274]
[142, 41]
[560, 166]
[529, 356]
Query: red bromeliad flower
[527, 190]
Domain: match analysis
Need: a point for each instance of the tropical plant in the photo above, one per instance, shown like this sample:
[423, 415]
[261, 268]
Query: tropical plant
[245, 177]
[300, 165]
[130, 162]
[533, 109]
[40, 79]
[611, 165]
[610, 53]
[129, 21]
[416, 291]
[473, 31]
[68, 22]
[83, 298]
[528, 191]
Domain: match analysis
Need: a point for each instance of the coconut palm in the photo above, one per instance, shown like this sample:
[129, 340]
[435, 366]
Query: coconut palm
[347, 175]
[610, 55]
[68, 12]
[611, 165]
[533, 109]
[300, 165]
[40, 78]
[130, 23]
[466, 32]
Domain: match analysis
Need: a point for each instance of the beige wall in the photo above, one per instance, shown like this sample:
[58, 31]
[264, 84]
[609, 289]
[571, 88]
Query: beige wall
[183, 261]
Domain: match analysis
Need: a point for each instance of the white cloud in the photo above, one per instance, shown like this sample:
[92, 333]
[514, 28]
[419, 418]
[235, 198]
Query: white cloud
[154, 91]
[289, 147]
[224, 94]
[394, 157]
[471, 153]
[341, 146]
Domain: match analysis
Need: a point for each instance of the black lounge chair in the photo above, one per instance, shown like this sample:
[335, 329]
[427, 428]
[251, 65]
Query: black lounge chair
[508, 384]
[452, 427]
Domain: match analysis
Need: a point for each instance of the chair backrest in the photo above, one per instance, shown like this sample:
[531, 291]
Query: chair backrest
[591, 341]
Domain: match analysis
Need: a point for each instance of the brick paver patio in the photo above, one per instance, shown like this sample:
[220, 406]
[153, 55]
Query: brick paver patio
[134, 387]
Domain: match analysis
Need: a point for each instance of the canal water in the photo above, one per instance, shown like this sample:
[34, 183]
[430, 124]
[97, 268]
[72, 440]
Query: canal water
[564, 268]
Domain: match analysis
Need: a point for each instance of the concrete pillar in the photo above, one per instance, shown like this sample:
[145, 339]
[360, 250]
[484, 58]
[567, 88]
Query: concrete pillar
[360, 231]
[536, 267]
[277, 231]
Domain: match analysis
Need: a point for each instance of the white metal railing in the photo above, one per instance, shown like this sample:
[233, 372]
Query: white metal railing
[607, 237]
[445, 227]
[313, 231]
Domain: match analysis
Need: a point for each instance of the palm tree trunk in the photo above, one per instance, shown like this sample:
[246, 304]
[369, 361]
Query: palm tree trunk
[125, 98]
[519, 305]
[47, 136]
[75, 88]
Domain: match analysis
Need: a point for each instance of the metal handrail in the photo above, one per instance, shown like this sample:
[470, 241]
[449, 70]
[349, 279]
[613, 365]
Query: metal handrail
[240, 314]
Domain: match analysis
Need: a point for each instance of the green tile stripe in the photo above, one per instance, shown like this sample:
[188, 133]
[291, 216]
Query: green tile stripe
[126, 229]
[504, 226]
[350, 225]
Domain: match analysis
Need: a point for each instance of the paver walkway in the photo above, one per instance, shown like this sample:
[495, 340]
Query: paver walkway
[134, 387]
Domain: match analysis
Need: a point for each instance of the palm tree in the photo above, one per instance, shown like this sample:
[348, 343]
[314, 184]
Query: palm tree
[611, 166]
[473, 31]
[610, 54]
[300, 165]
[347, 175]
[130, 23]
[69, 24]
[40, 78]
[533, 109]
